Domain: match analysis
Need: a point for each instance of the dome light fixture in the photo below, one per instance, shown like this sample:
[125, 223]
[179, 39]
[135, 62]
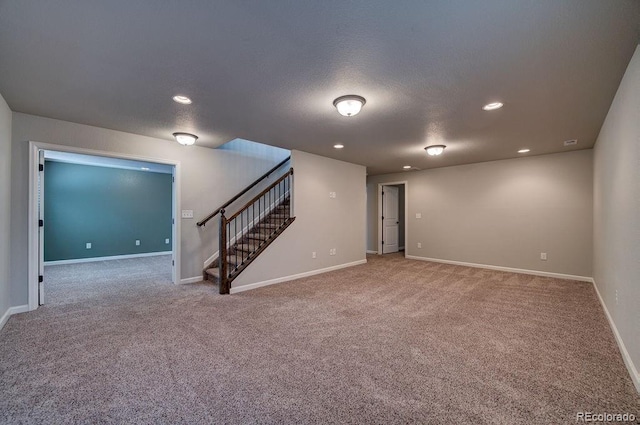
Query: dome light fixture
[435, 150]
[349, 105]
[182, 99]
[185, 139]
[525, 150]
[406, 167]
[338, 146]
[493, 106]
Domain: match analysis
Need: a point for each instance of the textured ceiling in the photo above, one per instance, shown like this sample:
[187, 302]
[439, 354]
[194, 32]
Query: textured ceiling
[268, 71]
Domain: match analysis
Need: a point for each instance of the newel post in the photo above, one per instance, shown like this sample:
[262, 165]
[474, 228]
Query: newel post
[222, 256]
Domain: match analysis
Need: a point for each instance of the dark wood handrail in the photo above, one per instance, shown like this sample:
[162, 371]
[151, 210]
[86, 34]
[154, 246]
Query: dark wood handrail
[230, 201]
[259, 195]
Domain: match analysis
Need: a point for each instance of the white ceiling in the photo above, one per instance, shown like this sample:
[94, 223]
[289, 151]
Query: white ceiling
[268, 71]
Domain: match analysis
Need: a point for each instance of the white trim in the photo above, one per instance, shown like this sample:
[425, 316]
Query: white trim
[32, 273]
[504, 269]
[370, 251]
[633, 371]
[405, 183]
[294, 277]
[110, 257]
[11, 311]
[191, 280]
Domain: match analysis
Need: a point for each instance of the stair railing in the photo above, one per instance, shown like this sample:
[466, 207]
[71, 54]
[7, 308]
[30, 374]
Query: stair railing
[245, 190]
[248, 232]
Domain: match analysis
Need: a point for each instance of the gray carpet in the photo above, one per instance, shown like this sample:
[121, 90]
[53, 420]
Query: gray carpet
[391, 341]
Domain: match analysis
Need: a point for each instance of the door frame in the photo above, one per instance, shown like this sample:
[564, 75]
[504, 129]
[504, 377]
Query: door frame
[404, 183]
[33, 261]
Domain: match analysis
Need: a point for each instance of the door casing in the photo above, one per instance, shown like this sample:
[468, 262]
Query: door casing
[406, 212]
[33, 230]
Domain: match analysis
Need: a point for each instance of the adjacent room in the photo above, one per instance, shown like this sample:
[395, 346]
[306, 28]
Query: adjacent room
[107, 225]
[320, 212]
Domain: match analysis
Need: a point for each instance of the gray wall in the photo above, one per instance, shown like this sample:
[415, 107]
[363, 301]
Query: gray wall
[321, 222]
[501, 213]
[5, 205]
[209, 177]
[617, 213]
[109, 207]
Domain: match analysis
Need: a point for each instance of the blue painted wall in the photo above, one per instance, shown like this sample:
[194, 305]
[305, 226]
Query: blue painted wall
[108, 207]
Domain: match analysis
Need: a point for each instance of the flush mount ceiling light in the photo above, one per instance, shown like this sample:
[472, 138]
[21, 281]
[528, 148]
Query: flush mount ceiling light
[435, 150]
[524, 150]
[338, 146]
[406, 167]
[185, 139]
[349, 105]
[492, 106]
[182, 99]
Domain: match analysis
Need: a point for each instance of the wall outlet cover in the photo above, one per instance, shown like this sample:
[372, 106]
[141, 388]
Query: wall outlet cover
[418, 215]
[88, 245]
[137, 242]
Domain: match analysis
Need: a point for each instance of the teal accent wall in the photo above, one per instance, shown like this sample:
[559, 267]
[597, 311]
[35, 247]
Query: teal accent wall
[108, 207]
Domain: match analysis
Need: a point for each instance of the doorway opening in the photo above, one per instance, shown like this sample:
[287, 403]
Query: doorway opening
[392, 213]
[98, 222]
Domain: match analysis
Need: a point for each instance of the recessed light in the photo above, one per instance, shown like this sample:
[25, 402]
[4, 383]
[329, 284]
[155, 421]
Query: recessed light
[492, 106]
[349, 105]
[435, 150]
[182, 99]
[338, 146]
[524, 150]
[407, 167]
[571, 142]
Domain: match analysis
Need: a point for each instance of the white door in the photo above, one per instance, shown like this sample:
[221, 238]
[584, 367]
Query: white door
[390, 219]
[41, 227]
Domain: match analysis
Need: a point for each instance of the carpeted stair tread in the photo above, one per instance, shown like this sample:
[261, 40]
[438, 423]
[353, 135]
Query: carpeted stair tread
[213, 272]
[249, 246]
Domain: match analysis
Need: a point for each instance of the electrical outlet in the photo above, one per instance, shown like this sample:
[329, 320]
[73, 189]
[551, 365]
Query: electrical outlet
[332, 195]
[88, 245]
[332, 251]
[313, 254]
[543, 256]
[419, 244]
[418, 215]
[166, 241]
[137, 242]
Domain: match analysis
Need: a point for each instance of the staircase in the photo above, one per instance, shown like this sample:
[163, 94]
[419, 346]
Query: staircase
[247, 233]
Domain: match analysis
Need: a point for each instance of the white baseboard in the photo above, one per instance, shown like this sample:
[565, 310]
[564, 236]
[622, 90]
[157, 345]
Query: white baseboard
[635, 377]
[505, 269]
[191, 280]
[369, 251]
[11, 311]
[111, 257]
[294, 277]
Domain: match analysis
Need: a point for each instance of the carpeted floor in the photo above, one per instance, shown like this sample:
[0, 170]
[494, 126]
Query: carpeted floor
[391, 341]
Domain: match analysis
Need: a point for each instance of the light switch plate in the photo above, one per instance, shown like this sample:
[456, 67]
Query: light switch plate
[187, 213]
[88, 245]
[418, 215]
